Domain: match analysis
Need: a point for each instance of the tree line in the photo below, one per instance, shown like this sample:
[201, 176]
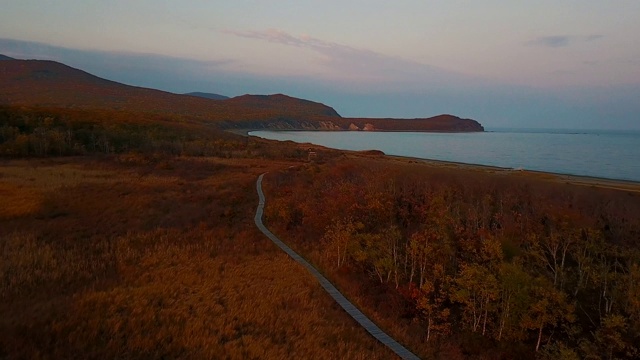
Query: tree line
[41, 132]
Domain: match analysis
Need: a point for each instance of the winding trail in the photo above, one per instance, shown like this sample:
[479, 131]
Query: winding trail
[351, 309]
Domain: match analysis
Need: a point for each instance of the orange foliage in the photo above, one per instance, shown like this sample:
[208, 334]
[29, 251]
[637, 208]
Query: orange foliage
[479, 253]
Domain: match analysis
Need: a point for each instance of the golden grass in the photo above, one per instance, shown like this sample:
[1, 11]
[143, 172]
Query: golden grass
[18, 201]
[50, 175]
[129, 259]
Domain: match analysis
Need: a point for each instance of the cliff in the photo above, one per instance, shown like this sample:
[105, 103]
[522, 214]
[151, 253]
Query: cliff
[440, 123]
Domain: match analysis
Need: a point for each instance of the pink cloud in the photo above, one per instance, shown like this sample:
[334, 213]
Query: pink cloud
[361, 64]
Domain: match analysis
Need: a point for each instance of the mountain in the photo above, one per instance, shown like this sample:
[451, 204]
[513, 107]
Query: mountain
[3, 57]
[282, 103]
[208, 95]
[49, 84]
[52, 84]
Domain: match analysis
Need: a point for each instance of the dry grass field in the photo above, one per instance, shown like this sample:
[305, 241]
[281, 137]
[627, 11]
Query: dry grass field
[136, 256]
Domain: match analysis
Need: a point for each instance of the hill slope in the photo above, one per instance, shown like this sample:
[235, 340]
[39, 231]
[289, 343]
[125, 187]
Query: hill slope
[50, 84]
[208, 95]
[3, 57]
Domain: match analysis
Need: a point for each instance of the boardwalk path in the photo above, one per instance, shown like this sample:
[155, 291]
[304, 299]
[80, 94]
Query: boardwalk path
[364, 321]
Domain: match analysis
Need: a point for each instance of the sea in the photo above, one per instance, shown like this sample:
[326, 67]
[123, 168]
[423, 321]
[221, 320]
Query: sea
[595, 153]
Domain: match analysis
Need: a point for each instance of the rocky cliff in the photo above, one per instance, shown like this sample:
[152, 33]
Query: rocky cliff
[441, 123]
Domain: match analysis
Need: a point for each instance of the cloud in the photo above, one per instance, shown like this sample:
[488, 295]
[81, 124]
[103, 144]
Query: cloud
[281, 37]
[551, 41]
[364, 65]
[557, 41]
[562, 73]
[149, 70]
[334, 54]
[614, 63]
[35, 50]
[592, 37]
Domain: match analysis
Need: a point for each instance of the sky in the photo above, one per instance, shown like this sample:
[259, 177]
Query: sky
[522, 64]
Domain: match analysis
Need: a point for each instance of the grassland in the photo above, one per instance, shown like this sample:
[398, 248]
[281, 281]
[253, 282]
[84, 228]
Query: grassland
[134, 256]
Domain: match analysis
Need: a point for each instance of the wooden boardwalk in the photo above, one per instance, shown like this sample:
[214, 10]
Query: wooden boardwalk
[351, 309]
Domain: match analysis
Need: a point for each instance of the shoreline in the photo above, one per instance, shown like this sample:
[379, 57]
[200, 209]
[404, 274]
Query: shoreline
[245, 132]
[369, 131]
[581, 180]
[241, 132]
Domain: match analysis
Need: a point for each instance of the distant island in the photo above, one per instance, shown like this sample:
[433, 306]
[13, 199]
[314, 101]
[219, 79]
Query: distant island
[39, 83]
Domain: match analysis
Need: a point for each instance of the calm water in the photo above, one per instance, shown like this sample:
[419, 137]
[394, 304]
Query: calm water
[606, 154]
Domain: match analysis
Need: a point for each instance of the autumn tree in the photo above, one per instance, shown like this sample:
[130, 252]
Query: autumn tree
[513, 300]
[611, 338]
[380, 253]
[476, 290]
[548, 309]
[431, 300]
[553, 248]
[339, 238]
[431, 256]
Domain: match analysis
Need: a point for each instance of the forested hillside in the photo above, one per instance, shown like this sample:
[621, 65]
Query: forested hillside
[35, 83]
[54, 132]
[42, 132]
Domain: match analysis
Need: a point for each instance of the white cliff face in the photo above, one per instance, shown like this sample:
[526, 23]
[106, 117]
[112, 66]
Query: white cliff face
[443, 123]
[301, 125]
[328, 125]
